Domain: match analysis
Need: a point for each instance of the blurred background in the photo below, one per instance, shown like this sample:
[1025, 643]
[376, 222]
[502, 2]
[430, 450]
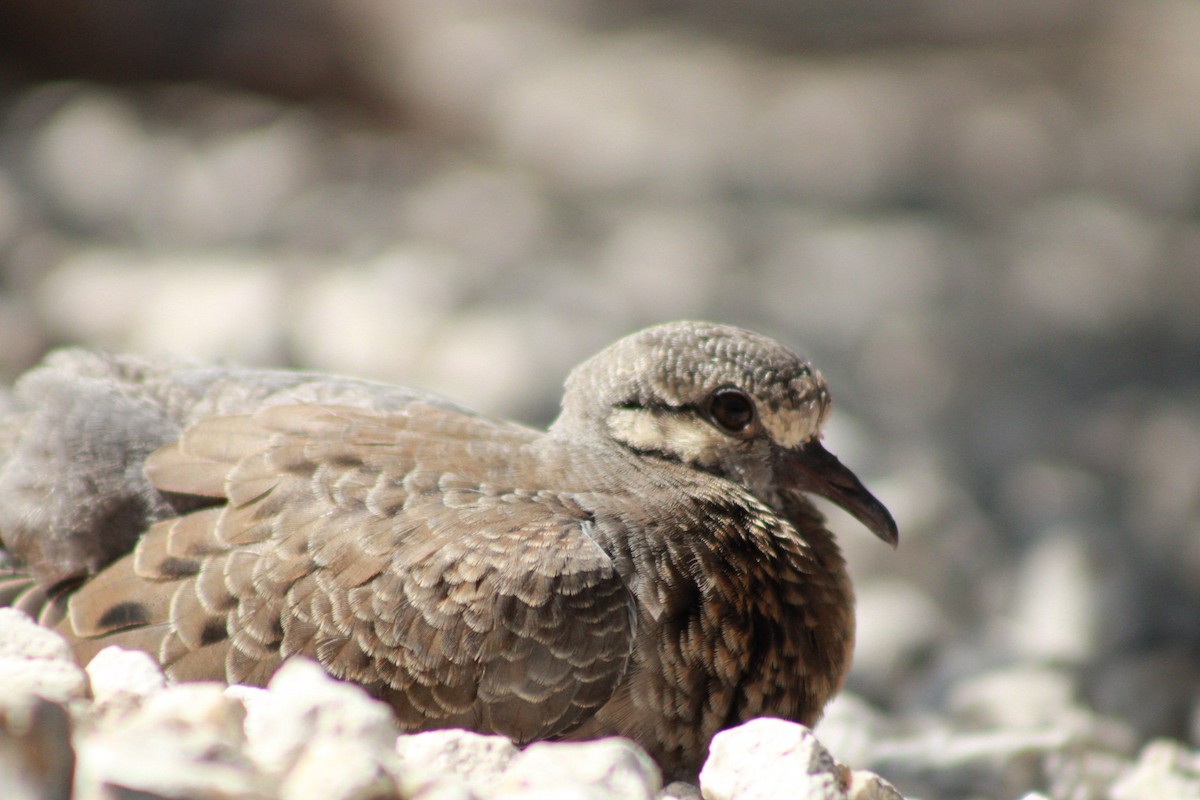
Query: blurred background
[981, 219]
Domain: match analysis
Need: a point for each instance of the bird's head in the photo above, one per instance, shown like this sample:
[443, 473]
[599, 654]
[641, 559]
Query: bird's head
[723, 400]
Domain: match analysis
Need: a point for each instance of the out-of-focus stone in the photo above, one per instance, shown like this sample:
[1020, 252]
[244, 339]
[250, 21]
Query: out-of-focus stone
[652, 115]
[769, 758]
[1161, 461]
[185, 741]
[340, 769]
[201, 707]
[801, 143]
[491, 358]
[605, 769]
[1163, 769]
[851, 727]
[307, 724]
[665, 263]
[1023, 697]
[214, 306]
[1082, 264]
[897, 625]
[937, 760]
[375, 319]
[490, 218]
[430, 786]
[477, 759]
[679, 790]
[869, 786]
[1153, 690]
[121, 682]
[1084, 772]
[23, 337]
[115, 671]
[91, 158]
[840, 279]
[36, 660]
[37, 761]
[1057, 600]
[1005, 151]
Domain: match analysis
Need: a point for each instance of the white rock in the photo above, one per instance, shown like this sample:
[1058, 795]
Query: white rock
[157, 766]
[1163, 769]
[1021, 697]
[489, 357]
[185, 741]
[339, 769]
[21, 636]
[373, 319]
[869, 786]
[606, 768]
[934, 759]
[679, 790]
[576, 792]
[477, 759]
[36, 660]
[428, 786]
[304, 710]
[1056, 612]
[115, 672]
[1082, 263]
[848, 278]
[195, 706]
[36, 757]
[214, 306]
[770, 758]
[667, 263]
[896, 622]
[492, 218]
[91, 157]
[851, 727]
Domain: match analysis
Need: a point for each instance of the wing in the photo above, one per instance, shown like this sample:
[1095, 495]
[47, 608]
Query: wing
[77, 429]
[397, 558]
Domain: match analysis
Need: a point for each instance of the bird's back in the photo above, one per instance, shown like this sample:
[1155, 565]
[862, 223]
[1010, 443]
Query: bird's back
[79, 427]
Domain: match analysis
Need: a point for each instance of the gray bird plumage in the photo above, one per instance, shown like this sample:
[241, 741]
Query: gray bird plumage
[651, 566]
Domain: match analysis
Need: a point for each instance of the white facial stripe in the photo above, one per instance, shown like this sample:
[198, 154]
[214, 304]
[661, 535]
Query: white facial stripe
[691, 439]
[791, 427]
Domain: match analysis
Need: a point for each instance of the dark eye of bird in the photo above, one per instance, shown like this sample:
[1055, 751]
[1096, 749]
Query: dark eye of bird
[732, 410]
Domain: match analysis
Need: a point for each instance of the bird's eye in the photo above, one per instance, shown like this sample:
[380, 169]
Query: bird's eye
[731, 409]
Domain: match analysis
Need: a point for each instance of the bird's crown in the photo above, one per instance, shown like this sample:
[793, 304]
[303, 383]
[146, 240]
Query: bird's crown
[685, 388]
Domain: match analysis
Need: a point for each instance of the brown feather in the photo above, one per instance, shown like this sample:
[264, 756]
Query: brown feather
[171, 469]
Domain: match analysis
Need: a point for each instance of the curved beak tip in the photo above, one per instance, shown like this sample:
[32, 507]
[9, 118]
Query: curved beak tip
[890, 533]
[812, 468]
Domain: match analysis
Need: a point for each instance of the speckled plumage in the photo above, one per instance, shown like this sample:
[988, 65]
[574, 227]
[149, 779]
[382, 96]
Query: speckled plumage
[641, 569]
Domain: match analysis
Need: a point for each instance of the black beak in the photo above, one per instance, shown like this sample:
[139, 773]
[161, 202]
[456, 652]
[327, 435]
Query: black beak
[812, 468]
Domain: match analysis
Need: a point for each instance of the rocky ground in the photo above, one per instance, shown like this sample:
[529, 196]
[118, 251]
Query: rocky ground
[983, 225]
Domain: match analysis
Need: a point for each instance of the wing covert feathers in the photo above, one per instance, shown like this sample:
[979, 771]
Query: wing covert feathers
[349, 536]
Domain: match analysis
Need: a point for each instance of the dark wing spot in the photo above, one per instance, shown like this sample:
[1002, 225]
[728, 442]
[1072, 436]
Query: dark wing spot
[174, 567]
[214, 631]
[124, 615]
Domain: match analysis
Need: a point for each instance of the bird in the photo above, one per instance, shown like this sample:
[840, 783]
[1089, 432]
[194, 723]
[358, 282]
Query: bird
[651, 565]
